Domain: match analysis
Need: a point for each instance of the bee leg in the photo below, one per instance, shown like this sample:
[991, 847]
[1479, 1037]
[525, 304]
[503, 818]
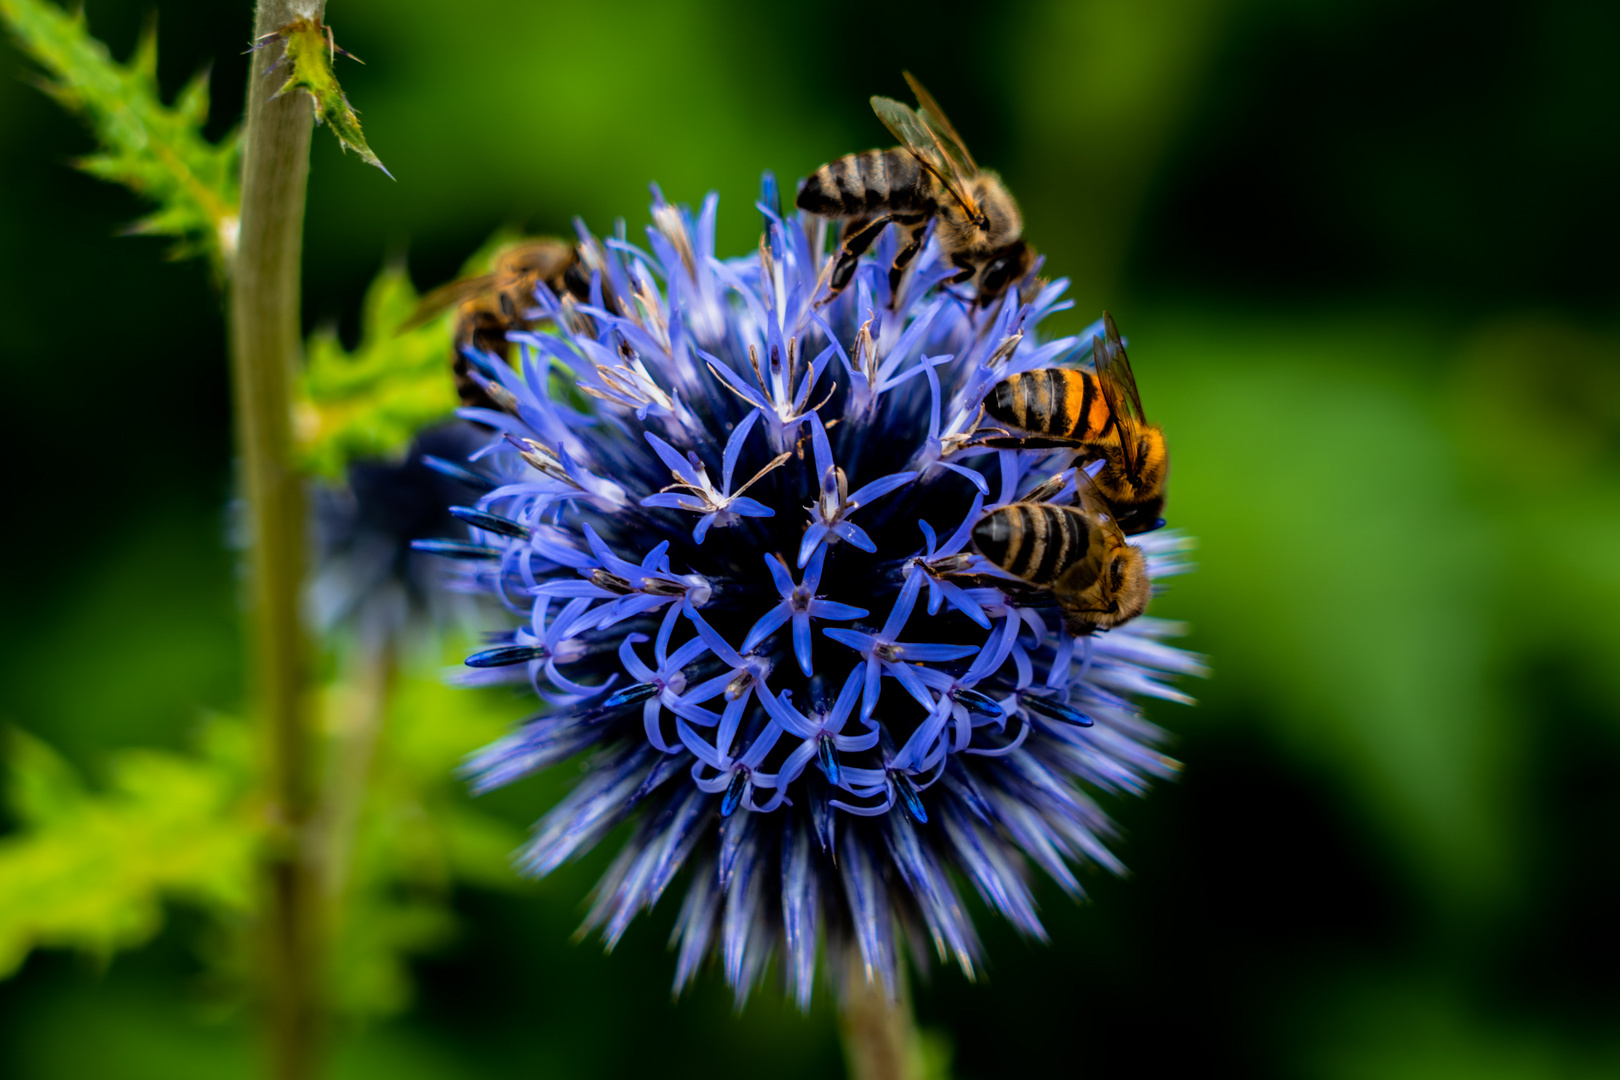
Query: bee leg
[851, 227]
[965, 270]
[847, 234]
[1025, 442]
[1048, 489]
[911, 243]
[854, 247]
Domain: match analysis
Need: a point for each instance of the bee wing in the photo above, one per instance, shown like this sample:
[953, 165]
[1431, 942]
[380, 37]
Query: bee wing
[915, 134]
[905, 124]
[1095, 506]
[544, 258]
[950, 142]
[1119, 390]
[446, 297]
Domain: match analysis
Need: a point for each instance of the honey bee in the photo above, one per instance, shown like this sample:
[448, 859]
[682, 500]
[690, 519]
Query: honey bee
[490, 305]
[930, 177]
[1076, 552]
[1100, 413]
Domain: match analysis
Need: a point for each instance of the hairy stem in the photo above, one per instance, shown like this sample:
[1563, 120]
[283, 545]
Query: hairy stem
[265, 344]
[879, 1034]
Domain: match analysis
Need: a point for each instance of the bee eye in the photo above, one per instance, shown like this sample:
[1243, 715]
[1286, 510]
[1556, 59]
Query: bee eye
[995, 276]
[1116, 575]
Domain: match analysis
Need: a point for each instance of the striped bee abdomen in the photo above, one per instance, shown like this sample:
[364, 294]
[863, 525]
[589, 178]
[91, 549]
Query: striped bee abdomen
[866, 184]
[1035, 541]
[1051, 401]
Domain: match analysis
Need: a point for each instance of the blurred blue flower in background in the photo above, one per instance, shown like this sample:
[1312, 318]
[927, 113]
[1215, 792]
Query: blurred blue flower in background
[730, 589]
[368, 579]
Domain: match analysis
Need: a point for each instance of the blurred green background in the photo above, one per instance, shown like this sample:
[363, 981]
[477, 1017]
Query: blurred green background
[1365, 256]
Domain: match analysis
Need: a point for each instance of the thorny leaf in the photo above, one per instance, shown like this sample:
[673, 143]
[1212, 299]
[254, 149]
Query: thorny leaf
[156, 151]
[91, 870]
[371, 402]
[308, 51]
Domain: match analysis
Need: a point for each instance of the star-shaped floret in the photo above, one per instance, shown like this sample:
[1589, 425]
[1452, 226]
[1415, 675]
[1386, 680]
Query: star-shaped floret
[658, 688]
[834, 504]
[738, 775]
[743, 677]
[885, 654]
[772, 391]
[822, 731]
[693, 490]
[937, 562]
[800, 604]
[631, 589]
[896, 781]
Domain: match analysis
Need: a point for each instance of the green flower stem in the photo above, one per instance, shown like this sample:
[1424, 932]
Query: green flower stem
[265, 346]
[879, 1034]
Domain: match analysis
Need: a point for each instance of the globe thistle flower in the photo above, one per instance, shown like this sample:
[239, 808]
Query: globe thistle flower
[730, 589]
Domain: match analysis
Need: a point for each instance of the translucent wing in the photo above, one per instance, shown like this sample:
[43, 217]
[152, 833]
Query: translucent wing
[542, 259]
[912, 131]
[917, 136]
[1119, 390]
[950, 142]
[1095, 507]
[445, 297]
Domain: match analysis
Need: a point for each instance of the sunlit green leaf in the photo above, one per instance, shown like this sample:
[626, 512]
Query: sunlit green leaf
[155, 150]
[91, 870]
[371, 402]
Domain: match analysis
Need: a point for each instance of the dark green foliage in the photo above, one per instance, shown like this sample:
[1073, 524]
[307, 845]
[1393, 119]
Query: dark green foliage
[1362, 874]
[156, 150]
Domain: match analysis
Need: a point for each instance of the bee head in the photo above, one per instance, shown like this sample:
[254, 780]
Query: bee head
[1141, 517]
[1128, 586]
[1008, 265]
[1137, 496]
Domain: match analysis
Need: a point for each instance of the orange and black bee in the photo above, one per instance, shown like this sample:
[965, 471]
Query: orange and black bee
[1075, 553]
[1099, 413]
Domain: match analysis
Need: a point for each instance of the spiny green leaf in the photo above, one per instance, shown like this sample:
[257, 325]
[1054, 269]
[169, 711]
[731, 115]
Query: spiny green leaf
[373, 401]
[44, 786]
[156, 151]
[91, 870]
[308, 52]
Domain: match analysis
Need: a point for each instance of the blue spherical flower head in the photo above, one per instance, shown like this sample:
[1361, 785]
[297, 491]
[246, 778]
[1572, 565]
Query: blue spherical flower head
[732, 527]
